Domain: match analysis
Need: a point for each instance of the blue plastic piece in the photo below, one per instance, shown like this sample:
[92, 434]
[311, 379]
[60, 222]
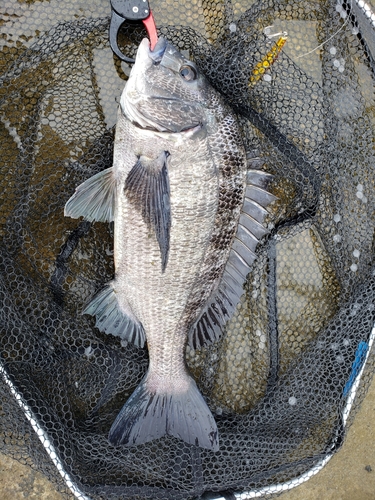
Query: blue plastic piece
[359, 359]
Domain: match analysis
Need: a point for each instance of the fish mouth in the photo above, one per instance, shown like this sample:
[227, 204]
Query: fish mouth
[157, 54]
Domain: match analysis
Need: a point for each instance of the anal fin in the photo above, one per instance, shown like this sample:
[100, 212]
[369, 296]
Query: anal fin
[111, 318]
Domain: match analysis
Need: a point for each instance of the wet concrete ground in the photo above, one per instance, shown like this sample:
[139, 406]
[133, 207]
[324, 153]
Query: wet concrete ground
[350, 475]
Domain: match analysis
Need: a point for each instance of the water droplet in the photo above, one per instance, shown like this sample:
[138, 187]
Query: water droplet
[88, 351]
[232, 27]
[336, 238]
[337, 217]
[354, 268]
[292, 401]
[354, 309]
[356, 253]
[333, 50]
[267, 77]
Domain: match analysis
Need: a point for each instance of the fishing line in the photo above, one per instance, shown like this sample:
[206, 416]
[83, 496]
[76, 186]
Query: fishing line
[331, 37]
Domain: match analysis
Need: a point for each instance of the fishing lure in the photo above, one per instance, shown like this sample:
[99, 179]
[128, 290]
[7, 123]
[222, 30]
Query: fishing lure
[267, 61]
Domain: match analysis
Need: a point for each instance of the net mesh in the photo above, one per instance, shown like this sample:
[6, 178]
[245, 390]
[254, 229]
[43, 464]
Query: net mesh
[279, 379]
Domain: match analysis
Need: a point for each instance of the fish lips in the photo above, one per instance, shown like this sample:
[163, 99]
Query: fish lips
[166, 55]
[157, 54]
[147, 57]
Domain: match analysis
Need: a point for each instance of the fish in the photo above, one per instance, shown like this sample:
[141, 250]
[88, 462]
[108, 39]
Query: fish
[188, 215]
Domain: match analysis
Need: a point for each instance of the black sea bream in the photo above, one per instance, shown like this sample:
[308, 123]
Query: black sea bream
[187, 216]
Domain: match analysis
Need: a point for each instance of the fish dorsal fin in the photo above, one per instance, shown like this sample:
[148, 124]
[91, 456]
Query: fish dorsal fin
[113, 319]
[94, 199]
[147, 189]
[224, 300]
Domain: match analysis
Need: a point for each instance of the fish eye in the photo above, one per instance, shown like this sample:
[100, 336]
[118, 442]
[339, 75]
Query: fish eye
[188, 73]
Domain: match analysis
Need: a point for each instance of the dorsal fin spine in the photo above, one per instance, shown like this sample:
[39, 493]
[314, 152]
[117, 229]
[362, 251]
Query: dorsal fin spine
[224, 300]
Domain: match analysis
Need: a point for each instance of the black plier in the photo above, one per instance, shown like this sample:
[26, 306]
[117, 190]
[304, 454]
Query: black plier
[131, 10]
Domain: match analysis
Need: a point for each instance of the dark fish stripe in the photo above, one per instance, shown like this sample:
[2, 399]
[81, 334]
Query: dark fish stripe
[223, 309]
[212, 316]
[215, 306]
[199, 337]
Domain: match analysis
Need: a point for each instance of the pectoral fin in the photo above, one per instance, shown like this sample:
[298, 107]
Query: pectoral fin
[147, 188]
[94, 199]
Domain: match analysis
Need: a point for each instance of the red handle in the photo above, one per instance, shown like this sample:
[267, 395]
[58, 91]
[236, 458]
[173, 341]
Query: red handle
[149, 23]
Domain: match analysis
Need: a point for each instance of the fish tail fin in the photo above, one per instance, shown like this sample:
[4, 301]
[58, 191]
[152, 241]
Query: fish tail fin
[149, 415]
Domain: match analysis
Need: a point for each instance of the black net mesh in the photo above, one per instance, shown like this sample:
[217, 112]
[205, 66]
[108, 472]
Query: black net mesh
[279, 380]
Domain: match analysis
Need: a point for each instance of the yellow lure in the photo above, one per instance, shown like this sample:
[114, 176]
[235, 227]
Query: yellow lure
[266, 62]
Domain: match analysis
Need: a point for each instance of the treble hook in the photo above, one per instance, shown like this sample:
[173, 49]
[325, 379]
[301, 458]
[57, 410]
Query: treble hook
[131, 10]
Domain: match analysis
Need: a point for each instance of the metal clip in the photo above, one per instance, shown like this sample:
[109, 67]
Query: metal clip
[122, 10]
[268, 33]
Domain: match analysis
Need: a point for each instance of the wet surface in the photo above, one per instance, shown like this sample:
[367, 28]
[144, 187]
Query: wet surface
[19, 481]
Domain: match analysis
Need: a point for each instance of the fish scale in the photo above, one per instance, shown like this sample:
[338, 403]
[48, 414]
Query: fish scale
[177, 193]
[140, 262]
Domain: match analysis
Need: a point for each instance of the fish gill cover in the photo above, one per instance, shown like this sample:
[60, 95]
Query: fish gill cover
[278, 381]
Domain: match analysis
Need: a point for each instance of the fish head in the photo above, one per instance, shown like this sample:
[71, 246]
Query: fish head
[165, 92]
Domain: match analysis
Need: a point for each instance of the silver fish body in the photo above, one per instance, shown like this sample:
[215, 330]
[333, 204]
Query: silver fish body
[183, 241]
